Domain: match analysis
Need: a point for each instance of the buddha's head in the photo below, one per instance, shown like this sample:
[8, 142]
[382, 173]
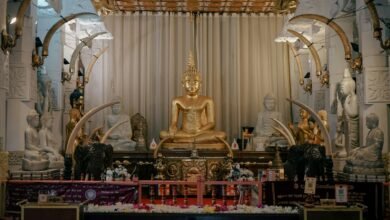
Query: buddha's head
[269, 102]
[372, 121]
[33, 119]
[191, 80]
[347, 84]
[116, 108]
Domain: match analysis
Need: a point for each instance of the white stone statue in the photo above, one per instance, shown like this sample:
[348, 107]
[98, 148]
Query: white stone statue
[264, 133]
[48, 143]
[35, 158]
[120, 138]
[349, 112]
[368, 159]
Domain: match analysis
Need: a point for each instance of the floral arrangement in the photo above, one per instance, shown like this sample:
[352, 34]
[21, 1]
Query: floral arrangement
[118, 173]
[152, 208]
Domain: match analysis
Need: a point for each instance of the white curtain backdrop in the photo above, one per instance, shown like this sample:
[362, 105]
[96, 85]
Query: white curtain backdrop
[236, 55]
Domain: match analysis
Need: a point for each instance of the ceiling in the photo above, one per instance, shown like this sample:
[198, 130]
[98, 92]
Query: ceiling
[205, 6]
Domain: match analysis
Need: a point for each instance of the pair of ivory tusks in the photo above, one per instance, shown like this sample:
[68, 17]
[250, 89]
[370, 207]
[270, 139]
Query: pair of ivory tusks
[312, 49]
[290, 138]
[80, 124]
[340, 32]
[84, 42]
[285, 132]
[55, 27]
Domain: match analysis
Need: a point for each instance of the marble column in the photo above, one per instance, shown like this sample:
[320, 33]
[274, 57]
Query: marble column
[22, 80]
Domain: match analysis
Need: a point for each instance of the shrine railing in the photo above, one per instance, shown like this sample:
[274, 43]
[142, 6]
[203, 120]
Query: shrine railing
[238, 191]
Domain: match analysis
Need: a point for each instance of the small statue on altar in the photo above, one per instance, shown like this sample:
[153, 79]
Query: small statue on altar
[264, 132]
[302, 131]
[75, 113]
[140, 129]
[48, 143]
[35, 158]
[339, 141]
[119, 138]
[198, 116]
[368, 159]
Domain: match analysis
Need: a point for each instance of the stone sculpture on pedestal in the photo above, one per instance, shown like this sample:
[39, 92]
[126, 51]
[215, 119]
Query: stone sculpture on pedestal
[120, 136]
[368, 159]
[140, 129]
[264, 132]
[35, 158]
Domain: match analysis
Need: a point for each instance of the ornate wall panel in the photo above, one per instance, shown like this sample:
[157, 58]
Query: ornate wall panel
[376, 85]
[18, 82]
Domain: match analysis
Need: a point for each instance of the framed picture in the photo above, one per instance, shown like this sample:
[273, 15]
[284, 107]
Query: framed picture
[310, 185]
[341, 193]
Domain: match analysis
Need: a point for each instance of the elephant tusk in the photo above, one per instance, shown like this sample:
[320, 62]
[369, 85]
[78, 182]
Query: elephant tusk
[80, 124]
[227, 145]
[340, 32]
[155, 154]
[286, 130]
[92, 63]
[20, 18]
[299, 63]
[55, 27]
[84, 42]
[324, 131]
[111, 130]
[94, 131]
[312, 49]
[284, 135]
[376, 25]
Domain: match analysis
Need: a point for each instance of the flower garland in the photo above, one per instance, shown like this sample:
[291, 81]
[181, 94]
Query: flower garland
[153, 208]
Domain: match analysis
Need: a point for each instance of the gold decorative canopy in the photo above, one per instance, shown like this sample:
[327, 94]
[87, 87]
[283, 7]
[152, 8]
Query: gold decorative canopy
[207, 6]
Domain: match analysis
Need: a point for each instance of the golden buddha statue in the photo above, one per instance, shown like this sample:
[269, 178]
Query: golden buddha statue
[198, 116]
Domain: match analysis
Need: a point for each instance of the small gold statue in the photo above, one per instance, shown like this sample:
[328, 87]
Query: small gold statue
[198, 116]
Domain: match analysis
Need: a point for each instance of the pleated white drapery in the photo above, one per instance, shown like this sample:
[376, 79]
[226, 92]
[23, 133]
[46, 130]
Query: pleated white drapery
[236, 55]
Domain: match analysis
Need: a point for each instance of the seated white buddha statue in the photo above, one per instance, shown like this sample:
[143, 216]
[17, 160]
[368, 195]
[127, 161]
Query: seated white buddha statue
[264, 132]
[198, 114]
[120, 137]
[35, 158]
[48, 143]
[368, 159]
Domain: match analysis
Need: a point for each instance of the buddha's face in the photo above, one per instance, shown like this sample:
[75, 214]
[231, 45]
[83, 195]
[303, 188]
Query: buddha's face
[116, 109]
[269, 104]
[371, 122]
[192, 86]
[34, 121]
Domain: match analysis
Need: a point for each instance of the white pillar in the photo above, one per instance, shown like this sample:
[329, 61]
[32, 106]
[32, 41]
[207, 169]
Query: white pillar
[22, 80]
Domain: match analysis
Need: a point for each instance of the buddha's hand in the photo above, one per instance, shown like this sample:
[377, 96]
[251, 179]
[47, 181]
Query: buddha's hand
[172, 131]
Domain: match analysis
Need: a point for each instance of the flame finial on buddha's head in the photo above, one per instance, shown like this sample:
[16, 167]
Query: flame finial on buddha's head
[191, 72]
